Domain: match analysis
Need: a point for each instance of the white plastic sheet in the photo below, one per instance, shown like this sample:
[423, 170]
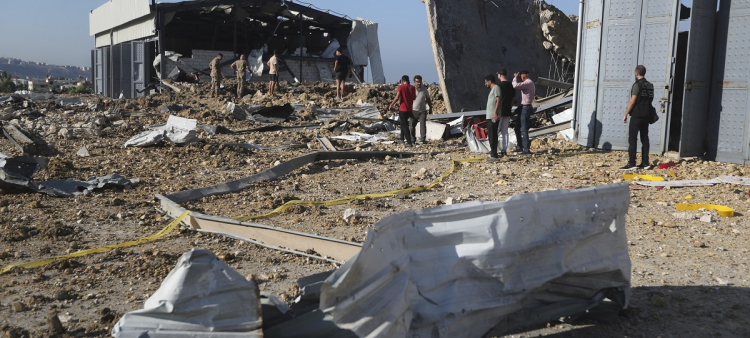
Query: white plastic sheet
[201, 297]
[462, 270]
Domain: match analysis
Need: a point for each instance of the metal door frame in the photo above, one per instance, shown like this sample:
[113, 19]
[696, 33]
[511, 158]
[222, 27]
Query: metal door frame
[662, 103]
[697, 90]
[126, 73]
[138, 68]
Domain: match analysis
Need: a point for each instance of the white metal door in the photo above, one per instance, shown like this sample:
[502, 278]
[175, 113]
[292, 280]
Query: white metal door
[586, 87]
[695, 104]
[657, 54]
[631, 33]
[99, 71]
[138, 67]
[621, 27]
[730, 114]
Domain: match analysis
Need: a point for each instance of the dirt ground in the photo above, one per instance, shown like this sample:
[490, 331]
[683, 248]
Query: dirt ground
[690, 275]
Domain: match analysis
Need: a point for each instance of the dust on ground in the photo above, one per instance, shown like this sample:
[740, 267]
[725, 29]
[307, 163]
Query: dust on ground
[690, 273]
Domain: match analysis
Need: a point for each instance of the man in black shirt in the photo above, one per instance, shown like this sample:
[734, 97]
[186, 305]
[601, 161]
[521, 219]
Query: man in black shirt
[341, 68]
[639, 109]
[507, 93]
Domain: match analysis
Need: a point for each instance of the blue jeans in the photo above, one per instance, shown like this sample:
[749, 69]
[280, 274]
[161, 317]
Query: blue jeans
[522, 127]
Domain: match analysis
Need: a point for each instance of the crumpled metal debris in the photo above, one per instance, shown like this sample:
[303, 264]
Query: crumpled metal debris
[477, 268]
[201, 297]
[71, 187]
[260, 113]
[177, 130]
[16, 173]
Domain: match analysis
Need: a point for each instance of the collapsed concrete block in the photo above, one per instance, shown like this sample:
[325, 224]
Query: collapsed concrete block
[474, 38]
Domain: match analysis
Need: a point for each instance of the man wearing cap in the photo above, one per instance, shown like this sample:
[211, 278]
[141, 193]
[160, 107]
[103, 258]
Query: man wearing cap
[240, 66]
[528, 90]
[216, 75]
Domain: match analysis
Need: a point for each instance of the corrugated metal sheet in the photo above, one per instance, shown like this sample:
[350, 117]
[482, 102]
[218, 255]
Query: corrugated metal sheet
[138, 29]
[116, 13]
[462, 270]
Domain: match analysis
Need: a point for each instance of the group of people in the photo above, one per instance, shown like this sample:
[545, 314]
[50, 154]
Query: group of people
[414, 105]
[500, 102]
[341, 69]
[502, 98]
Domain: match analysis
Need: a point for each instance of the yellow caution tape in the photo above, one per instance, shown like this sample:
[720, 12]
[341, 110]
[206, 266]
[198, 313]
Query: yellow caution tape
[143, 240]
[348, 199]
[644, 177]
[722, 210]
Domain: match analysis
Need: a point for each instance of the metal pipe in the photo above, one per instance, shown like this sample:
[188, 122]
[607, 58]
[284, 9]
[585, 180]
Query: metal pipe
[163, 62]
[578, 82]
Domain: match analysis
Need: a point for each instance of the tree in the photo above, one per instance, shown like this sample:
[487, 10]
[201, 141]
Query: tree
[6, 83]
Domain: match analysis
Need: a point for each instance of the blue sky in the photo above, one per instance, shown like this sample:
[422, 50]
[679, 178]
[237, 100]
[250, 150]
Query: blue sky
[57, 31]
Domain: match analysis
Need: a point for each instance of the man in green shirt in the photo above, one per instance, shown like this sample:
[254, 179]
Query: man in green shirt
[493, 109]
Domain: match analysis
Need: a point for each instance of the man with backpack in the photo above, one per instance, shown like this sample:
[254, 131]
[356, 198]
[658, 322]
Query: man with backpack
[640, 111]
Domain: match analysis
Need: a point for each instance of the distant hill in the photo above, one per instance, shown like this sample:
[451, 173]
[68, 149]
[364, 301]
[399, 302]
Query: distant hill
[39, 70]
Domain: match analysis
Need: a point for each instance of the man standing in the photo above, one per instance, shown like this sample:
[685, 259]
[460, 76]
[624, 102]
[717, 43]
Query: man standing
[240, 66]
[341, 68]
[528, 90]
[507, 94]
[273, 64]
[639, 108]
[216, 75]
[405, 95]
[419, 110]
[492, 113]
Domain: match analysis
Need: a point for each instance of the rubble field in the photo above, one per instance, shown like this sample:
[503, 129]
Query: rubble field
[690, 272]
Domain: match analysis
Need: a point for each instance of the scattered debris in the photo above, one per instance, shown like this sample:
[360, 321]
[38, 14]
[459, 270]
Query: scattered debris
[351, 215]
[201, 297]
[722, 210]
[19, 139]
[177, 130]
[260, 113]
[83, 152]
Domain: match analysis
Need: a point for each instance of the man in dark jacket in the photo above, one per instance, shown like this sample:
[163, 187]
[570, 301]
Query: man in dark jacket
[639, 109]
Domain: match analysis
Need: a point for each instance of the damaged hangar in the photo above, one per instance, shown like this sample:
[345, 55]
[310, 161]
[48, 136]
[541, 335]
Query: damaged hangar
[134, 36]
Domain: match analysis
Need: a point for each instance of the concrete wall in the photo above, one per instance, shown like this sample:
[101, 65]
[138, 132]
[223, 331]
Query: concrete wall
[474, 38]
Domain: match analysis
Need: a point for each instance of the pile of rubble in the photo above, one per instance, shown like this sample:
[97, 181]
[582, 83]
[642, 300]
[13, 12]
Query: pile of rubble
[282, 190]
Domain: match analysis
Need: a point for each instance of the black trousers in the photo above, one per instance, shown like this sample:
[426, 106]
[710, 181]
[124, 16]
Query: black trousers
[492, 129]
[403, 117]
[638, 125]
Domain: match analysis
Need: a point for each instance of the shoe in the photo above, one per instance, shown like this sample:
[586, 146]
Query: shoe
[518, 150]
[493, 159]
[525, 153]
[503, 153]
[644, 166]
[628, 166]
[423, 141]
[409, 145]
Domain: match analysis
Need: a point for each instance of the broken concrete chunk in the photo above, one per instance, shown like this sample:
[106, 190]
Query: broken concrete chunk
[468, 269]
[19, 139]
[351, 215]
[177, 130]
[83, 152]
[201, 297]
